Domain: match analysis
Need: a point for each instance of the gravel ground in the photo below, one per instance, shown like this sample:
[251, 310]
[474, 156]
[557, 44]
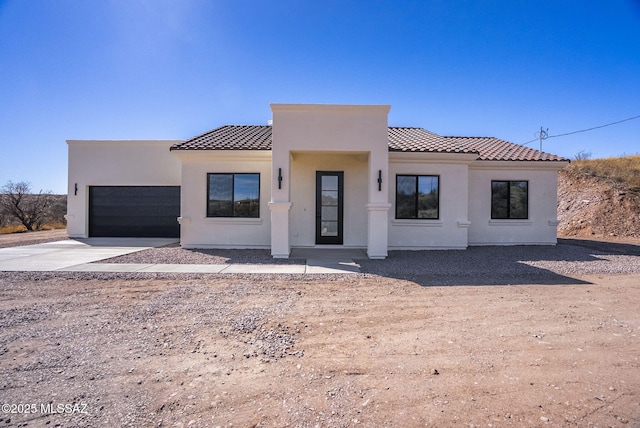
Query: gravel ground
[505, 261]
[374, 349]
[173, 253]
[476, 265]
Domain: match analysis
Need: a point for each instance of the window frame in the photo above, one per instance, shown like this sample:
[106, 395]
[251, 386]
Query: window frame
[233, 201]
[494, 215]
[417, 195]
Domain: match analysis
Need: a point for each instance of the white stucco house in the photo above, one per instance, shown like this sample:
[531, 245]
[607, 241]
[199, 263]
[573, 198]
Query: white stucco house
[318, 175]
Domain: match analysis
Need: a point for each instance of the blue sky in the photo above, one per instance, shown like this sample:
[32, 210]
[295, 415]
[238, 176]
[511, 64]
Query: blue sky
[172, 69]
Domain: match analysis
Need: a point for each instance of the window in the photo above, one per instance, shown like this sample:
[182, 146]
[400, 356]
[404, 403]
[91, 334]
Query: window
[509, 199]
[417, 196]
[233, 195]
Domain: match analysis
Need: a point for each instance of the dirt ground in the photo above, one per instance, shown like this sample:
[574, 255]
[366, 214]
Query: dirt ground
[590, 206]
[344, 351]
[27, 238]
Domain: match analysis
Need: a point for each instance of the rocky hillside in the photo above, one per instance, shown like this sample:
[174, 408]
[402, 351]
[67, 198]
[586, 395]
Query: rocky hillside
[598, 200]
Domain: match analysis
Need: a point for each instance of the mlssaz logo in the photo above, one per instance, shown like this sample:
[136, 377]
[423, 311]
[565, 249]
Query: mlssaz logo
[64, 408]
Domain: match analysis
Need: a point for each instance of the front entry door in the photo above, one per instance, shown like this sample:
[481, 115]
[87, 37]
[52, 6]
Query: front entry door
[329, 207]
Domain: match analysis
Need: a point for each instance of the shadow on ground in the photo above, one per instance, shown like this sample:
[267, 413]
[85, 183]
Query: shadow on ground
[494, 265]
[606, 247]
[534, 278]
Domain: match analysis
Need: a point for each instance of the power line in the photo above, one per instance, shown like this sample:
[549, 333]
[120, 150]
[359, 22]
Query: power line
[544, 136]
[595, 127]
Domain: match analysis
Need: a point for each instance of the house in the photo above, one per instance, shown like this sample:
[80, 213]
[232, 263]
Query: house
[319, 175]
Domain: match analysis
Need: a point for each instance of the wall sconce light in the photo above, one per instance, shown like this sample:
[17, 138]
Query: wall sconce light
[379, 180]
[279, 178]
[75, 190]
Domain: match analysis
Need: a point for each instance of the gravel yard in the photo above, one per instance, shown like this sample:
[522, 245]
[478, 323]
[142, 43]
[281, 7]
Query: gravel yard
[492, 265]
[551, 338]
[175, 254]
[476, 265]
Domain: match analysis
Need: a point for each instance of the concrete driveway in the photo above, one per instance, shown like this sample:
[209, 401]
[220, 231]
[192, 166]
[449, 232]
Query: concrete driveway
[63, 255]
[81, 255]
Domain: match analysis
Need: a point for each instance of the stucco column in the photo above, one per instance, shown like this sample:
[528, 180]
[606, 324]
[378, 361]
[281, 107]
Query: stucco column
[378, 206]
[280, 248]
[280, 203]
[378, 233]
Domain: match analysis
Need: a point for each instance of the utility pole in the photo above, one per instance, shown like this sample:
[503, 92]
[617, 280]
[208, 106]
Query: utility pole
[542, 135]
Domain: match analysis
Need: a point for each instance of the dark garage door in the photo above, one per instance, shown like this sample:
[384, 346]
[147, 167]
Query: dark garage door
[134, 211]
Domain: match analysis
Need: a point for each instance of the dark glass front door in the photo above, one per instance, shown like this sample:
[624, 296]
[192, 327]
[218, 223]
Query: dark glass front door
[329, 207]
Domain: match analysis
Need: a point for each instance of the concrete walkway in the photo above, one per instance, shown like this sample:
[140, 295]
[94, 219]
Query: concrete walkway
[82, 255]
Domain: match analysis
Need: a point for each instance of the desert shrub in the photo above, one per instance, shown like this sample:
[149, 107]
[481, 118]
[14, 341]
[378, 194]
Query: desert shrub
[12, 228]
[624, 170]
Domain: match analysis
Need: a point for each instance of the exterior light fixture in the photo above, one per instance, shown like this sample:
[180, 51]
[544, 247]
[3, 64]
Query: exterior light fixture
[379, 180]
[279, 178]
[75, 190]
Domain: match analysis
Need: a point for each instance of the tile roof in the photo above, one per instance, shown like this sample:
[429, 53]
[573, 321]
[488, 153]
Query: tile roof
[491, 148]
[421, 140]
[230, 137]
[401, 139]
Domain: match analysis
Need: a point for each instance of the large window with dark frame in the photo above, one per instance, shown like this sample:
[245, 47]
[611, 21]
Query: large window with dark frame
[418, 197]
[233, 195]
[509, 199]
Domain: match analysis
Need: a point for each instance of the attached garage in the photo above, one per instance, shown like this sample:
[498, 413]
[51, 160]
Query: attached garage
[134, 211]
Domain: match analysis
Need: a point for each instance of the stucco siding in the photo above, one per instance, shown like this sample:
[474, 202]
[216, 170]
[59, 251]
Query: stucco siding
[113, 163]
[541, 225]
[449, 231]
[199, 231]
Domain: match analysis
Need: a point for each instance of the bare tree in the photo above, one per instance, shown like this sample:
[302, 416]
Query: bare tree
[29, 209]
[582, 155]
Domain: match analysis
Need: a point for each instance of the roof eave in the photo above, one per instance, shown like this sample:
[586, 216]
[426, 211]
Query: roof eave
[519, 164]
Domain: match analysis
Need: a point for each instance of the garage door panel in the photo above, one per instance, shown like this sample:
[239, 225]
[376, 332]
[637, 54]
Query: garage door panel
[139, 211]
[132, 201]
[130, 210]
[134, 221]
[138, 231]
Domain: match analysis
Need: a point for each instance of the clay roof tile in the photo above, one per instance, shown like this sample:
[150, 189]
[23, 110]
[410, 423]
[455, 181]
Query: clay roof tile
[401, 139]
